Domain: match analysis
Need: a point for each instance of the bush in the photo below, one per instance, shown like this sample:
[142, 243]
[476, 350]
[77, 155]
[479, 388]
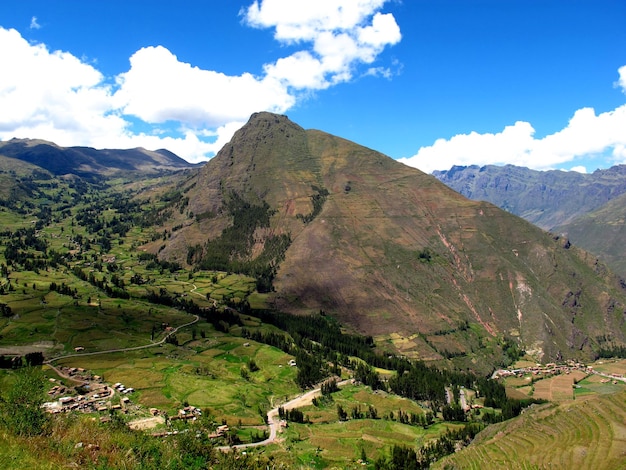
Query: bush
[20, 406]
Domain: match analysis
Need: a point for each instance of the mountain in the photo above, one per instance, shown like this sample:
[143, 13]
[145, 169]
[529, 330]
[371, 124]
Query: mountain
[548, 199]
[89, 162]
[584, 207]
[390, 251]
[602, 232]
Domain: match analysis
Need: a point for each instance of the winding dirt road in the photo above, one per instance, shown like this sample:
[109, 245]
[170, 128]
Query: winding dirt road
[273, 420]
[134, 348]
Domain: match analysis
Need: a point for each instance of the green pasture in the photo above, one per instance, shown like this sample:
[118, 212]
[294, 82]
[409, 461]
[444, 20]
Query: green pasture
[594, 384]
[13, 220]
[205, 372]
[103, 324]
[335, 443]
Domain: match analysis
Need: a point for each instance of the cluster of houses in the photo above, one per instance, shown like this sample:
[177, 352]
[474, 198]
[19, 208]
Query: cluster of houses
[96, 399]
[120, 388]
[188, 412]
[88, 403]
[78, 373]
[548, 369]
[552, 368]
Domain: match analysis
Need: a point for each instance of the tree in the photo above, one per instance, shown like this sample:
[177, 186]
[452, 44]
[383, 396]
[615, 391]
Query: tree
[5, 310]
[20, 406]
[341, 413]
[252, 365]
[34, 358]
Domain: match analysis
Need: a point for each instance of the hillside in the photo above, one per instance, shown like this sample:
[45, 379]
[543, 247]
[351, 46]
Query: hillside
[602, 232]
[161, 284]
[88, 162]
[586, 433]
[390, 251]
[584, 207]
[548, 199]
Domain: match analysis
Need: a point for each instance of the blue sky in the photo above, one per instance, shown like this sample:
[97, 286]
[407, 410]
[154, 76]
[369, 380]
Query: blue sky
[434, 83]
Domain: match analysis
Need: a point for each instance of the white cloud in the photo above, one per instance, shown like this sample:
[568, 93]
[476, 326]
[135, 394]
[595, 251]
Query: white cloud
[579, 169]
[621, 82]
[73, 105]
[587, 135]
[34, 24]
[191, 95]
[343, 34]
[53, 95]
[303, 20]
[47, 91]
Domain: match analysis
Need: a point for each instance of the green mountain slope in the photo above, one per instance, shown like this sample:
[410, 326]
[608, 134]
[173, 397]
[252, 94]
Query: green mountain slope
[584, 207]
[394, 253]
[586, 433]
[602, 232]
[89, 162]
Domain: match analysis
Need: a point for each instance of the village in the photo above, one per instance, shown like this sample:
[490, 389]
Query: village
[90, 394]
[551, 369]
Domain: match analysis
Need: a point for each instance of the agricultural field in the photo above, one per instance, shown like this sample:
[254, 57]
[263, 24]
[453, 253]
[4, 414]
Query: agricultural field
[566, 385]
[597, 384]
[557, 388]
[326, 440]
[589, 432]
[203, 372]
[611, 366]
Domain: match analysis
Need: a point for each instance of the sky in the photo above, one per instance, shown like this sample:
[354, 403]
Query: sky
[431, 83]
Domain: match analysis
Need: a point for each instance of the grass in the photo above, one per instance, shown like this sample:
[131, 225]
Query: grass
[203, 372]
[585, 433]
[595, 384]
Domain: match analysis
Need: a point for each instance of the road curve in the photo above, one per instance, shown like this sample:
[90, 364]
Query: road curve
[273, 420]
[134, 348]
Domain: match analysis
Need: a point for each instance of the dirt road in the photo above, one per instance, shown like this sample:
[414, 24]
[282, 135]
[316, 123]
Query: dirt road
[273, 419]
[135, 348]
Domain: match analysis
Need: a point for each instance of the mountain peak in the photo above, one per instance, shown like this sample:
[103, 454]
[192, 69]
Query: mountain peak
[391, 251]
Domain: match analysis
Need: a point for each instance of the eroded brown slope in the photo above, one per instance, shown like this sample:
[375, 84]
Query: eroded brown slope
[393, 250]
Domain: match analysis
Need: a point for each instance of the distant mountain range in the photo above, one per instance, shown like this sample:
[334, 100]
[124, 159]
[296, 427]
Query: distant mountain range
[327, 226]
[88, 162]
[590, 209]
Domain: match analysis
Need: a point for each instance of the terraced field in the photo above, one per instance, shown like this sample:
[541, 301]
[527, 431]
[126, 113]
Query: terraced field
[585, 433]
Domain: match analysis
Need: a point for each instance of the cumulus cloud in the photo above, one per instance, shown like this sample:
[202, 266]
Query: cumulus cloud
[192, 95]
[587, 135]
[52, 95]
[75, 104]
[342, 34]
[579, 169]
[45, 90]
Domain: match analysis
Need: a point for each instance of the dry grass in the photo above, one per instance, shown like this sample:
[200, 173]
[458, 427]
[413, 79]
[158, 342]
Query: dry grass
[558, 388]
